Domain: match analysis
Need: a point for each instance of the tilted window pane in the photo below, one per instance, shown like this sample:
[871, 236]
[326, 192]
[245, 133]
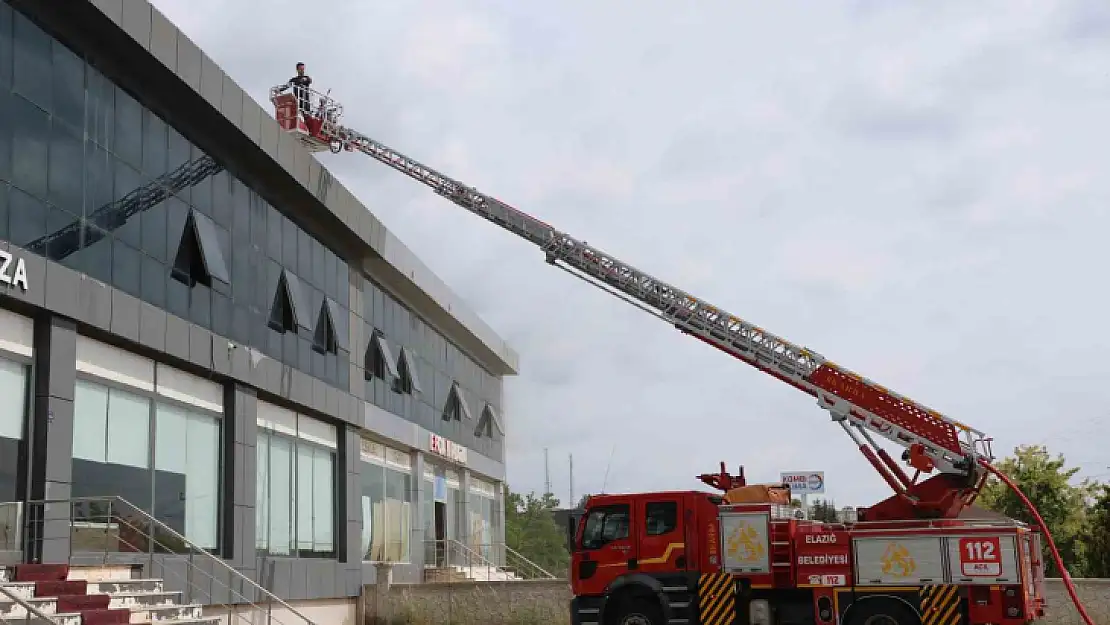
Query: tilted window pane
[90, 421]
[128, 429]
[32, 62]
[13, 390]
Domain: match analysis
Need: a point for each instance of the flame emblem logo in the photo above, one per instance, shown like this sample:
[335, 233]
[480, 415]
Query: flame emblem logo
[897, 561]
[744, 545]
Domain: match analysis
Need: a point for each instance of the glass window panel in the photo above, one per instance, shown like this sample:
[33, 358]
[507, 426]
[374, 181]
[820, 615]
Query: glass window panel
[128, 129]
[32, 62]
[26, 218]
[95, 257]
[69, 86]
[373, 493]
[222, 206]
[170, 463]
[281, 495]
[171, 428]
[5, 134]
[66, 177]
[126, 268]
[274, 241]
[61, 247]
[155, 149]
[262, 492]
[127, 180]
[5, 45]
[154, 227]
[304, 497]
[30, 140]
[128, 429]
[323, 501]
[13, 388]
[98, 179]
[100, 108]
[90, 421]
[202, 480]
[288, 242]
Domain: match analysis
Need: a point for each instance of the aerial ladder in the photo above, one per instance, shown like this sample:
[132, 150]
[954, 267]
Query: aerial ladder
[959, 455]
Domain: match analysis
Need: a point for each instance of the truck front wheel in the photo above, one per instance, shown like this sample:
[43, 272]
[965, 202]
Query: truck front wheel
[637, 611]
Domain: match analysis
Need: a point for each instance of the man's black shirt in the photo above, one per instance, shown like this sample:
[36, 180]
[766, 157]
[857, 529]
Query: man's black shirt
[300, 82]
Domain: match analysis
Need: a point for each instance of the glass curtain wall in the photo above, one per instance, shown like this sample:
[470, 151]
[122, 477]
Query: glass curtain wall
[13, 414]
[295, 508]
[387, 483]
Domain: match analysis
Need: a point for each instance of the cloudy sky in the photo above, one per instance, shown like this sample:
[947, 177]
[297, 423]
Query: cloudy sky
[919, 194]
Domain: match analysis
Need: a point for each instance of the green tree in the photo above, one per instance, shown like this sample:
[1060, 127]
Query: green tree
[824, 510]
[1098, 534]
[531, 530]
[1047, 482]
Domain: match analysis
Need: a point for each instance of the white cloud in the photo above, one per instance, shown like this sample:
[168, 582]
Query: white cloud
[917, 194]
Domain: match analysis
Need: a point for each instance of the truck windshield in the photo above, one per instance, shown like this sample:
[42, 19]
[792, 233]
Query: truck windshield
[604, 525]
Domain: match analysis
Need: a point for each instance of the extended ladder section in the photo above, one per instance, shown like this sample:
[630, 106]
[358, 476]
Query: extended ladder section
[861, 406]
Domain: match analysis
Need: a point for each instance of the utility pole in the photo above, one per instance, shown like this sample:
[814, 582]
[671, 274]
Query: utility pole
[546, 474]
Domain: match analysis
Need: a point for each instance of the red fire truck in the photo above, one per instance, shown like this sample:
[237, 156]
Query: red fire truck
[740, 558]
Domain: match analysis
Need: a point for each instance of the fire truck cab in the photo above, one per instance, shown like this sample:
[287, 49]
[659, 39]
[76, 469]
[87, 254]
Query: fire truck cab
[691, 557]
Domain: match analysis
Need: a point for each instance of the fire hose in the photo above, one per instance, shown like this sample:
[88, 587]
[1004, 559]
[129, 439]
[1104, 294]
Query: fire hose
[1048, 537]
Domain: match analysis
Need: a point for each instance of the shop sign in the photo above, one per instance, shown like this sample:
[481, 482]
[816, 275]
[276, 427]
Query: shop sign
[13, 270]
[445, 448]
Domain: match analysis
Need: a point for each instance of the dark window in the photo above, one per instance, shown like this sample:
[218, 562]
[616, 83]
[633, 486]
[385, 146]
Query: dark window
[100, 109]
[155, 150]
[604, 525]
[407, 379]
[154, 281]
[489, 423]
[26, 219]
[124, 217]
[128, 129]
[69, 86]
[66, 165]
[455, 409]
[30, 138]
[5, 45]
[199, 258]
[32, 62]
[660, 517]
[98, 180]
[288, 312]
[126, 267]
[64, 230]
[326, 339]
[379, 359]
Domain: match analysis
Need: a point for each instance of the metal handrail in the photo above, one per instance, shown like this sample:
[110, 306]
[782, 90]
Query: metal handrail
[188, 543]
[37, 613]
[519, 556]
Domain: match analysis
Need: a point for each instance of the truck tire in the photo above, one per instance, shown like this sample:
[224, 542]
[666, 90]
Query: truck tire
[636, 611]
[882, 611]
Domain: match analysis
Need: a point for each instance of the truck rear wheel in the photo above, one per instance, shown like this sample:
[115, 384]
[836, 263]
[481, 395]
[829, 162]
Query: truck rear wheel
[882, 611]
[637, 612]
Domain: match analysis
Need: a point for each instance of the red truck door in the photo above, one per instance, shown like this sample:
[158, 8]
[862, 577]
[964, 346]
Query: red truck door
[606, 548]
[662, 547]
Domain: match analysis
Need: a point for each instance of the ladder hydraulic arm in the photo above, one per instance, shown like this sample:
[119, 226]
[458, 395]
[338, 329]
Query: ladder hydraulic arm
[863, 408]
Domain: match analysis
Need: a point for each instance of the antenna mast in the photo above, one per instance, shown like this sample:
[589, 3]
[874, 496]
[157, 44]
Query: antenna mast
[572, 501]
[546, 474]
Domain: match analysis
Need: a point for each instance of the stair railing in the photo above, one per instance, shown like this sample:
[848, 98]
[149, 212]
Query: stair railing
[32, 612]
[534, 571]
[134, 531]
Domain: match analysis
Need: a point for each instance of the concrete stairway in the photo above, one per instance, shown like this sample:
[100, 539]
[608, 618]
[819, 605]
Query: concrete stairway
[75, 596]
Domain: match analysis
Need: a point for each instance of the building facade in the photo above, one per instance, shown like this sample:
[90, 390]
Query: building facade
[197, 318]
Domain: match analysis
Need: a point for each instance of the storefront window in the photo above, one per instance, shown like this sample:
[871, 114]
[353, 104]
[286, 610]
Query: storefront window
[13, 412]
[386, 503]
[295, 506]
[114, 449]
